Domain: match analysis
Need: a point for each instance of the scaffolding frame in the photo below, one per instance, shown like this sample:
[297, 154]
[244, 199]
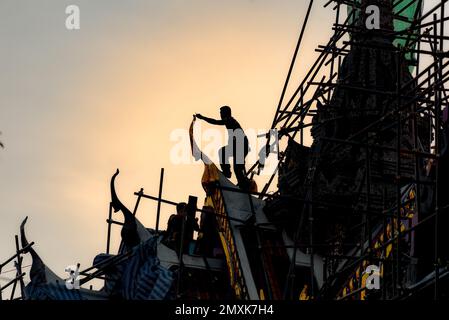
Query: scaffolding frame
[427, 95]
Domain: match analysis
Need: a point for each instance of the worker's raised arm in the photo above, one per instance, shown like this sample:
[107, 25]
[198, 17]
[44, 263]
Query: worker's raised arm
[210, 120]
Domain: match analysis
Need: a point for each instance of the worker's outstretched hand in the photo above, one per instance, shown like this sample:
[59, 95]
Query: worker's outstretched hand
[199, 116]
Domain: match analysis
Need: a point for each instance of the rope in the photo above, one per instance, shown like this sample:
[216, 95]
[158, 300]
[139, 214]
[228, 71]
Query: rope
[14, 270]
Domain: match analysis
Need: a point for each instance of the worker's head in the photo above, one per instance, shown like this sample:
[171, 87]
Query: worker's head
[225, 112]
[181, 208]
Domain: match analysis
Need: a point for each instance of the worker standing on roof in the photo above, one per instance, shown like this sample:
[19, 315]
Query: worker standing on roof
[237, 147]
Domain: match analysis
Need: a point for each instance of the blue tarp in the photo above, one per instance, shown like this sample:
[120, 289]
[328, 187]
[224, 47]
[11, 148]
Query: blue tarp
[140, 277]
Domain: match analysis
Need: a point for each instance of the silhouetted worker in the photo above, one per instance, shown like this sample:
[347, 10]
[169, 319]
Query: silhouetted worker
[175, 225]
[208, 238]
[237, 147]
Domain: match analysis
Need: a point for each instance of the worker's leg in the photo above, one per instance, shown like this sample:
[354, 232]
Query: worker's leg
[224, 155]
[239, 165]
[240, 174]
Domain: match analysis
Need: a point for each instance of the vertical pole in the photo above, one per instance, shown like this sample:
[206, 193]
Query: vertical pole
[440, 64]
[302, 120]
[398, 172]
[437, 153]
[158, 214]
[429, 107]
[385, 233]
[19, 267]
[190, 213]
[261, 251]
[13, 291]
[312, 264]
[334, 46]
[108, 240]
[417, 157]
[181, 256]
[368, 202]
[339, 64]
[191, 216]
[440, 78]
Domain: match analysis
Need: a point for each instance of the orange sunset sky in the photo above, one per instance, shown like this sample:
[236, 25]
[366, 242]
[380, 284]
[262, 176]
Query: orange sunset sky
[76, 105]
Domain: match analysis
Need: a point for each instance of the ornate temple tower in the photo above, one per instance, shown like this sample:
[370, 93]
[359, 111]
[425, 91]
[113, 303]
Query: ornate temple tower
[350, 176]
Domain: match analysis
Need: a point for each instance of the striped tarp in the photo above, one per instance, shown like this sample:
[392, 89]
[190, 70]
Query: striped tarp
[51, 291]
[140, 277]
